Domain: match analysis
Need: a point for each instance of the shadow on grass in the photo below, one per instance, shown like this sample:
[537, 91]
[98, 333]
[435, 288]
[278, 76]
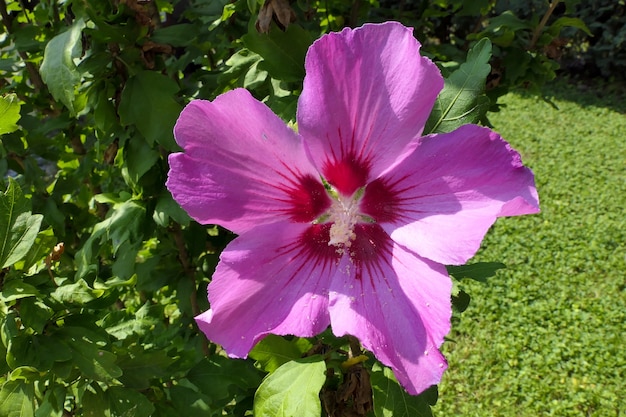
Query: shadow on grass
[588, 92]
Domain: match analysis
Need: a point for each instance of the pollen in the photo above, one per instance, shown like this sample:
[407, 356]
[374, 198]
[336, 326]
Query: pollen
[343, 216]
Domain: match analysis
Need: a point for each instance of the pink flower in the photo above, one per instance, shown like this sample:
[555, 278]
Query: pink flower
[349, 222]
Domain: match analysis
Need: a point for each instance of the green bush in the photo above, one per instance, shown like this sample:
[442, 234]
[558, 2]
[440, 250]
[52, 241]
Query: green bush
[102, 272]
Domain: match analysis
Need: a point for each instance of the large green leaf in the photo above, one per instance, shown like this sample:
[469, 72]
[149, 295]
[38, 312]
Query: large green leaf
[18, 227]
[17, 399]
[391, 400]
[9, 113]
[58, 69]
[292, 390]
[462, 99]
[148, 103]
[283, 52]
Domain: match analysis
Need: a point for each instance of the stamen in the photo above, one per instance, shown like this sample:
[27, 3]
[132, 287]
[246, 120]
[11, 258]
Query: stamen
[343, 215]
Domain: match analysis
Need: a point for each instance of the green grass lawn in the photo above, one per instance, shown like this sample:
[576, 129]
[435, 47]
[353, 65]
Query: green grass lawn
[547, 336]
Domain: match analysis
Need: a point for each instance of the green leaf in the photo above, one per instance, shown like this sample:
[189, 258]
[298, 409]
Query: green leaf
[35, 314]
[391, 400]
[292, 390]
[166, 209]
[18, 227]
[25, 373]
[283, 52]
[252, 6]
[17, 399]
[255, 76]
[176, 35]
[94, 363]
[148, 102]
[52, 403]
[128, 402]
[462, 100]
[77, 293]
[16, 289]
[274, 351]
[140, 367]
[9, 113]
[96, 404]
[58, 69]
[239, 65]
[124, 224]
[219, 378]
[190, 403]
[43, 245]
[556, 27]
[139, 158]
[51, 349]
[479, 271]
[507, 20]
[460, 299]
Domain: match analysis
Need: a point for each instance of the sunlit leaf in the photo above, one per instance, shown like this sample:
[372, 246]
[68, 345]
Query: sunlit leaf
[17, 399]
[75, 293]
[273, 351]
[18, 227]
[58, 69]
[9, 113]
[462, 99]
[391, 400]
[292, 390]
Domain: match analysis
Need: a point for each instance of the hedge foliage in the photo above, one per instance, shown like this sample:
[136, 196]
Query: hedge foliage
[101, 271]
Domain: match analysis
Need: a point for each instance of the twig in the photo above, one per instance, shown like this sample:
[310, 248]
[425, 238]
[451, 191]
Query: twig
[542, 24]
[183, 256]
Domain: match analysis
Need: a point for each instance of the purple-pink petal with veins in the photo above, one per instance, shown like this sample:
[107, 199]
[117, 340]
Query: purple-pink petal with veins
[241, 168]
[366, 97]
[441, 200]
[272, 279]
[396, 303]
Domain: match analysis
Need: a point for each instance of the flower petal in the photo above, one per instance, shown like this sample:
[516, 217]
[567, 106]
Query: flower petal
[273, 279]
[397, 305]
[367, 95]
[440, 201]
[241, 168]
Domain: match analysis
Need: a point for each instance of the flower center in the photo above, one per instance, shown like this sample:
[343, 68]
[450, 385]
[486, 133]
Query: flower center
[343, 214]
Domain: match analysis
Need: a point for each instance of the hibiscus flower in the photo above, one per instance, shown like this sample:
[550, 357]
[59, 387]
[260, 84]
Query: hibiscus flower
[350, 221]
